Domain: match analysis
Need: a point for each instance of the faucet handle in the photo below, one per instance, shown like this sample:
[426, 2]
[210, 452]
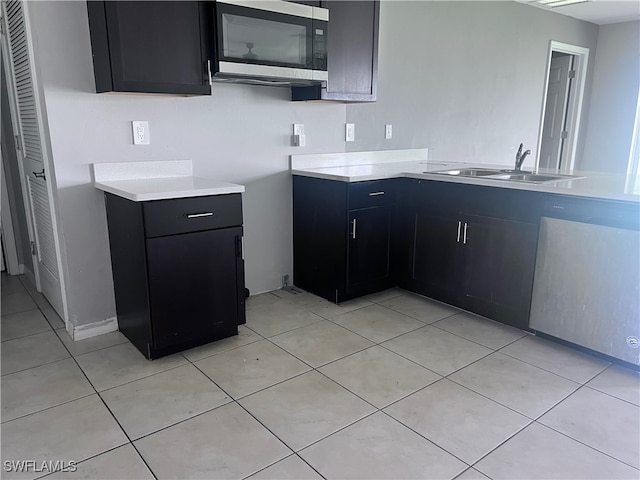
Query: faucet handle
[519, 151]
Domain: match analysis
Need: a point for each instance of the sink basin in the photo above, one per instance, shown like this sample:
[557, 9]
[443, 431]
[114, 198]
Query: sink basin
[469, 172]
[509, 175]
[534, 177]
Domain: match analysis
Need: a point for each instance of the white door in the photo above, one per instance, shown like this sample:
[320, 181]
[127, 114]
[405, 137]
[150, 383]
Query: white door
[27, 120]
[555, 113]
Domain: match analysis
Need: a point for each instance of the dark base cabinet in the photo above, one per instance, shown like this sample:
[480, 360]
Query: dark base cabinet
[342, 237]
[179, 281]
[498, 264]
[470, 246]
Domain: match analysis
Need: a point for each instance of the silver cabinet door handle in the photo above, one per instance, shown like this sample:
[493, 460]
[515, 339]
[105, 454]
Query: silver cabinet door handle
[353, 232]
[375, 194]
[459, 227]
[199, 215]
[464, 235]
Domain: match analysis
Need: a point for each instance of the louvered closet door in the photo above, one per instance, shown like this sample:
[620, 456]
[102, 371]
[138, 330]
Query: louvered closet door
[31, 145]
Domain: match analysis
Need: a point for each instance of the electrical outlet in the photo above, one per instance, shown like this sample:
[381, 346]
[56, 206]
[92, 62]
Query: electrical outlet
[285, 280]
[388, 131]
[350, 132]
[140, 132]
[299, 140]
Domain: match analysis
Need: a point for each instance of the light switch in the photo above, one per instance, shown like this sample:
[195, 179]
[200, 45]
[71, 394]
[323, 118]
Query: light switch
[388, 131]
[298, 139]
[350, 132]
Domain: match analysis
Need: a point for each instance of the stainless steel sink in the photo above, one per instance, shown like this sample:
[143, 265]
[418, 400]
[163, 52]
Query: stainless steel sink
[509, 175]
[469, 172]
[534, 177]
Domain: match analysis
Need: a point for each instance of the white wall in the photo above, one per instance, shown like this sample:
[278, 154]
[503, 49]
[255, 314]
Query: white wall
[616, 80]
[239, 134]
[465, 79]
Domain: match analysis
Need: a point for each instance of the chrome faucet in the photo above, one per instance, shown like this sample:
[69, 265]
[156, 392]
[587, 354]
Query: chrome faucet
[520, 158]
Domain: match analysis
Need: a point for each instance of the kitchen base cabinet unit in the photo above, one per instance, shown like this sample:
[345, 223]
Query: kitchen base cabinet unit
[470, 246]
[342, 237]
[178, 270]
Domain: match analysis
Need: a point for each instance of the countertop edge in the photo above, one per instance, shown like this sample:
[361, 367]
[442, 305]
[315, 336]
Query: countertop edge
[531, 187]
[169, 194]
[347, 178]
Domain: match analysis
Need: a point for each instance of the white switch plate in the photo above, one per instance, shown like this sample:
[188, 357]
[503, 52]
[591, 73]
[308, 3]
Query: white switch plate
[140, 132]
[388, 131]
[350, 132]
[298, 128]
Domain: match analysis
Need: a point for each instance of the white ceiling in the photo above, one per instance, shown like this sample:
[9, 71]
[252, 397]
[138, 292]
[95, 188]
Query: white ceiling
[601, 12]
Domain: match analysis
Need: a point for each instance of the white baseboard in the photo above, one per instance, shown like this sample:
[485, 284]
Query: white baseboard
[80, 332]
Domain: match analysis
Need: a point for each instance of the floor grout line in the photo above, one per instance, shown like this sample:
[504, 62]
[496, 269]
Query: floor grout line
[582, 442]
[579, 386]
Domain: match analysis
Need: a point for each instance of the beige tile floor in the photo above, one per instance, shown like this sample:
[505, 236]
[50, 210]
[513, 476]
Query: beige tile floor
[391, 385]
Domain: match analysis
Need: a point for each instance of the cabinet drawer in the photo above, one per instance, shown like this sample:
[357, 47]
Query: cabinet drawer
[183, 215]
[370, 194]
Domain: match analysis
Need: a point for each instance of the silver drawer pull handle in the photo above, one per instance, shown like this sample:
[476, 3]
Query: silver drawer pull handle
[459, 227]
[353, 233]
[375, 194]
[464, 235]
[198, 215]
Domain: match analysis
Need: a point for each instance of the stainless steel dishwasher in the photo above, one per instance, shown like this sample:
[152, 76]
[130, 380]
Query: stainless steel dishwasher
[586, 288]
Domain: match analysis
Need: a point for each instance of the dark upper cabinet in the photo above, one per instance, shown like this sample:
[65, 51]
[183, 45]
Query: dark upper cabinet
[149, 46]
[342, 237]
[352, 53]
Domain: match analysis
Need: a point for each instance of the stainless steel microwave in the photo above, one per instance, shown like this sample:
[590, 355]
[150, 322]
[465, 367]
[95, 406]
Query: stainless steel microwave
[269, 42]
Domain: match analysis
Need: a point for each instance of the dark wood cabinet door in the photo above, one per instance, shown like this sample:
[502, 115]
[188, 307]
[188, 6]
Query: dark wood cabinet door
[194, 286]
[352, 53]
[152, 46]
[498, 262]
[435, 257]
[352, 46]
[369, 249]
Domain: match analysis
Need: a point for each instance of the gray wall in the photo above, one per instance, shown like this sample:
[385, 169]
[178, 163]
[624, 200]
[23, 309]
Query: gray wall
[465, 79]
[616, 80]
[239, 134]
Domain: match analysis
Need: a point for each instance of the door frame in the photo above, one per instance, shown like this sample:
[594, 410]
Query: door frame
[633, 167]
[14, 121]
[575, 101]
[6, 227]
[43, 127]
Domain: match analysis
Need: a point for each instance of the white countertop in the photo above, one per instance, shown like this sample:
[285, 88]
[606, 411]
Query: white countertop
[143, 181]
[599, 185]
